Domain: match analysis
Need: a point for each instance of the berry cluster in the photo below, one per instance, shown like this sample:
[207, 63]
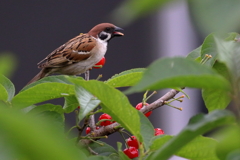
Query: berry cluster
[132, 142]
[133, 145]
[104, 120]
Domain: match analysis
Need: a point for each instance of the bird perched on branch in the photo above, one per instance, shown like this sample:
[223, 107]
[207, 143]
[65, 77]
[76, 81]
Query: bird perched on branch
[79, 54]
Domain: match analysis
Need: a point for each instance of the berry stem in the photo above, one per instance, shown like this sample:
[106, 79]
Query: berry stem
[99, 77]
[141, 150]
[167, 103]
[205, 59]
[91, 138]
[80, 129]
[176, 99]
[125, 132]
[98, 66]
[102, 120]
[76, 116]
[154, 92]
[92, 151]
[71, 130]
[101, 144]
[119, 126]
[124, 139]
[97, 111]
[145, 97]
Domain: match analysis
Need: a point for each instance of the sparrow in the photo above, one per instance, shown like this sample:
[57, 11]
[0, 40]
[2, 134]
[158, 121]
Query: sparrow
[80, 53]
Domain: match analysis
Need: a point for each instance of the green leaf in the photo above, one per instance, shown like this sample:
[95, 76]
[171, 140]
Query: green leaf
[147, 130]
[229, 141]
[133, 9]
[179, 72]
[215, 98]
[198, 125]
[54, 114]
[159, 141]
[7, 89]
[229, 55]
[200, 148]
[86, 100]
[42, 92]
[56, 119]
[120, 152]
[126, 78]
[195, 53]
[7, 63]
[4, 94]
[222, 69]
[234, 155]
[104, 149]
[98, 158]
[59, 79]
[232, 36]
[209, 47]
[28, 109]
[114, 103]
[35, 138]
[46, 107]
[70, 104]
[209, 15]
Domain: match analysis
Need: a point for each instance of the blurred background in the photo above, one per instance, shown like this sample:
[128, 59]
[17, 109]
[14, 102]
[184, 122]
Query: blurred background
[30, 30]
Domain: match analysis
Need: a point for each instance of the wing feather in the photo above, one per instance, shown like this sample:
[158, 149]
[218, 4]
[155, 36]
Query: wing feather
[75, 50]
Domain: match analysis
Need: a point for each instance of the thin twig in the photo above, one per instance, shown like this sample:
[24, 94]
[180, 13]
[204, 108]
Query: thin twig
[159, 102]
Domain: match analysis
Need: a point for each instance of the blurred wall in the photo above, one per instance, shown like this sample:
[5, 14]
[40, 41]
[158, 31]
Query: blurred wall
[177, 37]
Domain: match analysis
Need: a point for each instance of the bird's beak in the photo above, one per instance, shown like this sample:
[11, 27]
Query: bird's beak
[116, 31]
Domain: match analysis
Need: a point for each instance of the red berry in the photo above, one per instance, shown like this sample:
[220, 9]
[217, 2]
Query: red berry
[131, 152]
[105, 116]
[132, 142]
[88, 129]
[79, 107]
[140, 105]
[101, 62]
[158, 131]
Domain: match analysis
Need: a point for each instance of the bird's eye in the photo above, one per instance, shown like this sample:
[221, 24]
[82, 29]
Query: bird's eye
[107, 29]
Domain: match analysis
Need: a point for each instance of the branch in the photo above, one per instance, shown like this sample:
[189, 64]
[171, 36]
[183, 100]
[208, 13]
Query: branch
[107, 130]
[159, 102]
[92, 123]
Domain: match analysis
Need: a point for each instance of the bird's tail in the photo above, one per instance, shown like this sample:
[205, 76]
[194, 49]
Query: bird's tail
[40, 75]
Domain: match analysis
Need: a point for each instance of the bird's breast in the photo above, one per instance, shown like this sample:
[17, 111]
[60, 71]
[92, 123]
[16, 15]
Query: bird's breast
[97, 53]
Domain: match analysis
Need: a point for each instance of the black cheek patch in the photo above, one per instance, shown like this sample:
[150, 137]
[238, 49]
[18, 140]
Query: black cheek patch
[103, 36]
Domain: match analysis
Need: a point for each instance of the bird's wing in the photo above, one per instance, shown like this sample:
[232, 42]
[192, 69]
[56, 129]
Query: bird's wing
[75, 50]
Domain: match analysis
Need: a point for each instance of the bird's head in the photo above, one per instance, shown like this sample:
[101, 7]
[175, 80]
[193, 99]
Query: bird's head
[105, 31]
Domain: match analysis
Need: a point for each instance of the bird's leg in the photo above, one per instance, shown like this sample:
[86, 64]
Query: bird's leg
[87, 73]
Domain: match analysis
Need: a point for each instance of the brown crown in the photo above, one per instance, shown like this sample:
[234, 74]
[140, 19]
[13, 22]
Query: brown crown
[99, 28]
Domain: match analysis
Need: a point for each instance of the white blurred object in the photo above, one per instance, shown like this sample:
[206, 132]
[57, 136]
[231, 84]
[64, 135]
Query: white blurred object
[176, 38]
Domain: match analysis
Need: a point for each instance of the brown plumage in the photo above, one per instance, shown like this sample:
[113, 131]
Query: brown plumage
[80, 53]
